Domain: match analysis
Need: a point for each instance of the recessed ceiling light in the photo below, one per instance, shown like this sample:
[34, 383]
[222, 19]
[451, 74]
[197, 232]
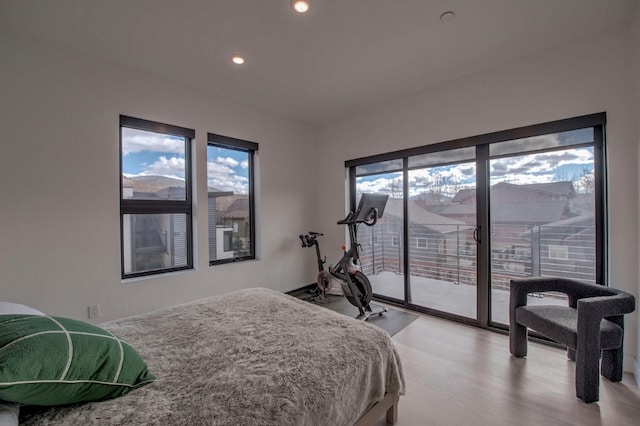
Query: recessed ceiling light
[447, 16]
[237, 59]
[300, 6]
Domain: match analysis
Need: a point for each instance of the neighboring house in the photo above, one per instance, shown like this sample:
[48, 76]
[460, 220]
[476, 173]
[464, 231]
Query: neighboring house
[157, 241]
[437, 244]
[236, 217]
[220, 237]
[515, 209]
[564, 248]
[503, 192]
[537, 229]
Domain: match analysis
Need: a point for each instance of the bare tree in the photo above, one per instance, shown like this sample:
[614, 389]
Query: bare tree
[395, 188]
[585, 183]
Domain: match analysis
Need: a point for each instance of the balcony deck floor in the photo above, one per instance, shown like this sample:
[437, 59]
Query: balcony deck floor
[446, 296]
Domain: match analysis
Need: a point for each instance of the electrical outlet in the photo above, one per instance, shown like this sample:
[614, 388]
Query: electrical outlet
[94, 311]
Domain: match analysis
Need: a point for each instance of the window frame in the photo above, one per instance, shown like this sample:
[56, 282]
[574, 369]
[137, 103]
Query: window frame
[557, 252]
[423, 240]
[164, 206]
[251, 148]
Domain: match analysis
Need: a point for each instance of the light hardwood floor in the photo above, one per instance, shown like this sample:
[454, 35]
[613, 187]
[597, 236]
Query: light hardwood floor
[462, 375]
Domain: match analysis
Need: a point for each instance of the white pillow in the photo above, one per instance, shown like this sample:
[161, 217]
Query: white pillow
[8, 308]
[9, 413]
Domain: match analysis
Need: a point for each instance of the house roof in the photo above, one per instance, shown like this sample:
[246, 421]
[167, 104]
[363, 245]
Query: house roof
[568, 229]
[537, 212]
[420, 216]
[239, 208]
[464, 194]
[562, 188]
[340, 59]
[529, 212]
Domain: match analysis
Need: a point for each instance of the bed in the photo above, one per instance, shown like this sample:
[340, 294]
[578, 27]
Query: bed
[250, 357]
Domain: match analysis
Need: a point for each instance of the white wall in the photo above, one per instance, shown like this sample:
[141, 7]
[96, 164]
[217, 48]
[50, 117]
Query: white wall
[59, 185]
[636, 73]
[586, 76]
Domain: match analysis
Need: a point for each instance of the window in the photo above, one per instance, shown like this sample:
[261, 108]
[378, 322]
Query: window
[558, 252]
[421, 243]
[395, 241]
[155, 197]
[230, 183]
[228, 241]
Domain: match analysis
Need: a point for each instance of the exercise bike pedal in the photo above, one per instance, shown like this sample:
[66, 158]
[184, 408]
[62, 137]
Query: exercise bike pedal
[368, 313]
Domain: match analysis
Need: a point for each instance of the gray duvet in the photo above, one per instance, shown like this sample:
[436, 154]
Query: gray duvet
[251, 357]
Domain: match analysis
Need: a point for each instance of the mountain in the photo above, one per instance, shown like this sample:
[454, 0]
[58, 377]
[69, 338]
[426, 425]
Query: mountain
[151, 184]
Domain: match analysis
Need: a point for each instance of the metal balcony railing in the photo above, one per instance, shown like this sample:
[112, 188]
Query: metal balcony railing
[448, 252]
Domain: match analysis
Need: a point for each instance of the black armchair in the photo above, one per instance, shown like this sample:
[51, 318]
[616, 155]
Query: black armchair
[591, 326]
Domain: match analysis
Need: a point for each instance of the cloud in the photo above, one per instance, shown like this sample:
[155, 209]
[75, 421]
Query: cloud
[522, 169]
[135, 140]
[169, 167]
[223, 177]
[381, 185]
[228, 161]
[545, 163]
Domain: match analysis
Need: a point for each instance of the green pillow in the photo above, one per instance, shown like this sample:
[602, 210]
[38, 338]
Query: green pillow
[52, 361]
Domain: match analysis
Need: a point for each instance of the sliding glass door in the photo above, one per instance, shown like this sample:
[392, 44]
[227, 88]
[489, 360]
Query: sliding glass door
[382, 245]
[465, 217]
[542, 215]
[441, 224]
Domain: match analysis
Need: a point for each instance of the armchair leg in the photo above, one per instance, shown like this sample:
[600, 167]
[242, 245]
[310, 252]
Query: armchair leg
[587, 374]
[611, 364]
[518, 340]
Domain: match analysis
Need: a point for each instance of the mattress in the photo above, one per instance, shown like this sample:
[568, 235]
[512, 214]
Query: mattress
[250, 357]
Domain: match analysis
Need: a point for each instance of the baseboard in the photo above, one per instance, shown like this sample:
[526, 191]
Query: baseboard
[303, 288]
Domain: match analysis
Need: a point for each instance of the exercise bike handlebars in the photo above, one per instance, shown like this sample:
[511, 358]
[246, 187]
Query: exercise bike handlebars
[309, 240]
[370, 219]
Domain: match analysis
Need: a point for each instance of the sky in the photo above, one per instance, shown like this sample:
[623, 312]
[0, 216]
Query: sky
[152, 154]
[227, 170]
[552, 166]
[147, 153]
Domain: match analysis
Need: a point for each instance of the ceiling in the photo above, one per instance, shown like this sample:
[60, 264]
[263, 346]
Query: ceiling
[341, 58]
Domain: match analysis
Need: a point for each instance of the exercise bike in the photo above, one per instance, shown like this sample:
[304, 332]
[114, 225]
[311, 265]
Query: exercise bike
[355, 284]
[323, 281]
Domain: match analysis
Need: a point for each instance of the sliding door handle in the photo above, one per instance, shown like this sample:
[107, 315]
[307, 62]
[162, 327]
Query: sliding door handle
[475, 235]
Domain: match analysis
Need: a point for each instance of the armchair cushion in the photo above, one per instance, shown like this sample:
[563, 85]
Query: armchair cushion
[560, 323]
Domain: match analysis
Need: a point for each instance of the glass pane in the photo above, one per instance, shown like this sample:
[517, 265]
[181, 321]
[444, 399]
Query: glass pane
[542, 222]
[153, 165]
[381, 167]
[228, 174]
[154, 242]
[443, 157]
[536, 143]
[442, 252]
[381, 254]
